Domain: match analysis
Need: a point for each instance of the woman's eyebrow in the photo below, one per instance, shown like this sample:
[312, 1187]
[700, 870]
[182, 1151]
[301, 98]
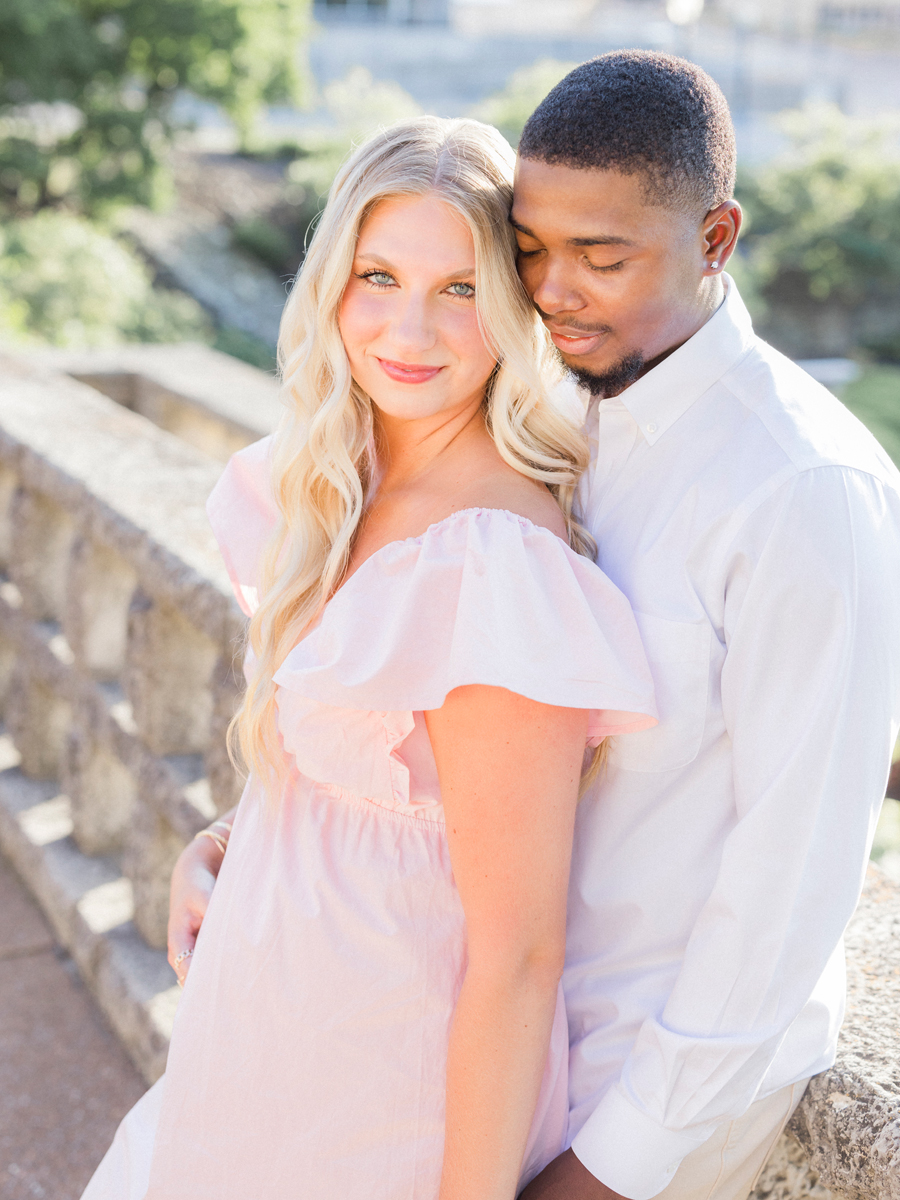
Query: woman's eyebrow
[372, 257]
[375, 258]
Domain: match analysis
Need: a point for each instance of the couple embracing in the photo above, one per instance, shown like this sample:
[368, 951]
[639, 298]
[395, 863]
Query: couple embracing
[569, 710]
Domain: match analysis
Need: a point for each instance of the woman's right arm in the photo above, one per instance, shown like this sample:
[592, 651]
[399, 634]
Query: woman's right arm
[193, 880]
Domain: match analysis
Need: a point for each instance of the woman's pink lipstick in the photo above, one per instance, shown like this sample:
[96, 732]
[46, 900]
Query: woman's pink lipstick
[408, 372]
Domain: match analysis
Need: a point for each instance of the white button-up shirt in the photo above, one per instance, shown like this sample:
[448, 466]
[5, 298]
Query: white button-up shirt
[754, 524]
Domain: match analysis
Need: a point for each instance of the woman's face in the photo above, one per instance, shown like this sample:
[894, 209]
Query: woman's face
[408, 316]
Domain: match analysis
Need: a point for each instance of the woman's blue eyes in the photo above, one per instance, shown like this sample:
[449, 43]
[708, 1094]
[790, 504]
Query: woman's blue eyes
[383, 279]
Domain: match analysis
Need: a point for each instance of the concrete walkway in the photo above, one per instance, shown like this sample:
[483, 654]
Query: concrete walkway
[65, 1081]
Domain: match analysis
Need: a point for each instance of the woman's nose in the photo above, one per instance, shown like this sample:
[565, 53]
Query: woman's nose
[413, 328]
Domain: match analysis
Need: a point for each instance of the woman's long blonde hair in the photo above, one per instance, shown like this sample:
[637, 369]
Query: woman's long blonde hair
[322, 451]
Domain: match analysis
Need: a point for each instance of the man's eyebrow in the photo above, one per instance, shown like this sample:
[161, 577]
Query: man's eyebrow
[599, 240]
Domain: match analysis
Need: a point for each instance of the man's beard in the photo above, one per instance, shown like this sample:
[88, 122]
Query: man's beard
[609, 383]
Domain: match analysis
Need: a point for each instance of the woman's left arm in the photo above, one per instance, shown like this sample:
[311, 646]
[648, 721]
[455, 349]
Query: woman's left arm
[509, 771]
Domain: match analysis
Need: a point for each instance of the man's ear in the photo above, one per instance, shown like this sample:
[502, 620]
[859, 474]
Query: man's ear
[721, 227]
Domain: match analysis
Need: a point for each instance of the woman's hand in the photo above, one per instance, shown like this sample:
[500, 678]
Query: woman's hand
[193, 880]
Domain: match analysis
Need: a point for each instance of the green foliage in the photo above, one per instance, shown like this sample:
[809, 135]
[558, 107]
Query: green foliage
[66, 283]
[357, 105]
[886, 845]
[824, 218]
[511, 107]
[875, 399]
[118, 64]
[265, 240]
[246, 347]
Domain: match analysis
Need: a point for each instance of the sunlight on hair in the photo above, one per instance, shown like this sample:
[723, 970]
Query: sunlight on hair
[322, 462]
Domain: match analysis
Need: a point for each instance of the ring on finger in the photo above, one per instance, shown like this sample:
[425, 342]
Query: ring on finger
[178, 960]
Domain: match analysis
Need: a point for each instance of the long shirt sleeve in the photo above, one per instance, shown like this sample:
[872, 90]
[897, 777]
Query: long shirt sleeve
[809, 694]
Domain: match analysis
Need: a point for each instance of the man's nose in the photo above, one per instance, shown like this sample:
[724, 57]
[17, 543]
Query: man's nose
[553, 290]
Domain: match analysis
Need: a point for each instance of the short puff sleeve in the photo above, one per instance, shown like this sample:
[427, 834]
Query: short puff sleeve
[482, 597]
[243, 516]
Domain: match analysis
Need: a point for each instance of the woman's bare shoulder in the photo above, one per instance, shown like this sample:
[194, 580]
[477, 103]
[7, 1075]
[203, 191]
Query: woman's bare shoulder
[513, 492]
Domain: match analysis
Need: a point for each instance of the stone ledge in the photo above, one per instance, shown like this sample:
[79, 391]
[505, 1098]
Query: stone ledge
[206, 398]
[848, 1123]
[88, 902]
[133, 486]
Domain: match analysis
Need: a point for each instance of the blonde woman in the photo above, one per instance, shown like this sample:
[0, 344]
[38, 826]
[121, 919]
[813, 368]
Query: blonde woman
[373, 1010]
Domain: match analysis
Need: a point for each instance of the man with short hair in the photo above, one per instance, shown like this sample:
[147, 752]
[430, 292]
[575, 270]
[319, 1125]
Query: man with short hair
[754, 525]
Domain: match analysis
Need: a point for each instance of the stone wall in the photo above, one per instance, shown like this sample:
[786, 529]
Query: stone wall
[118, 638]
[844, 1139]
[118, 633]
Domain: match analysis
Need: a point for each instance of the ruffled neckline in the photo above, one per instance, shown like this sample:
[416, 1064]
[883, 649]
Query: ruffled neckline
[419, 538]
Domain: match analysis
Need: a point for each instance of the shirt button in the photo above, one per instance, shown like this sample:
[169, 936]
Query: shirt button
[651, 428]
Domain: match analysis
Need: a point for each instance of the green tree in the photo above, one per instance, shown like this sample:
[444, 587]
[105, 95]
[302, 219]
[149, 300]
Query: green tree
[65, 282]
[821, 248]
[118, 64]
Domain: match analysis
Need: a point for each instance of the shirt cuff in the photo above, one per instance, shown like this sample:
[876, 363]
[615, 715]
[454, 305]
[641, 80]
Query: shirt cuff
[628, 1151]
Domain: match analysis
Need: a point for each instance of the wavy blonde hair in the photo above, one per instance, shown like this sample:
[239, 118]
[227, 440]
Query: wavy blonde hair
[322, 457]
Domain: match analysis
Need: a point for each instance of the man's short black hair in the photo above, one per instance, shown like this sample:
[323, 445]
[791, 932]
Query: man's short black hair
[637, 111]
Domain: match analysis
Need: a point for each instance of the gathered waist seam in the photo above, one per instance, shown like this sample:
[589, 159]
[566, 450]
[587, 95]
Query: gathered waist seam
[366, 803]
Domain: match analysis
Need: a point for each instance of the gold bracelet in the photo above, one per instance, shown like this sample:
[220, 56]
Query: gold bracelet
[220, 842]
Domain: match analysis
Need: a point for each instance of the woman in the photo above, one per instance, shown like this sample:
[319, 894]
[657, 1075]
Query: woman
[373, 1011]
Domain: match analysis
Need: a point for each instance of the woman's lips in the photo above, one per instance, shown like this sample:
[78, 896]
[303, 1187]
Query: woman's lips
[575, 342]
[408, 372]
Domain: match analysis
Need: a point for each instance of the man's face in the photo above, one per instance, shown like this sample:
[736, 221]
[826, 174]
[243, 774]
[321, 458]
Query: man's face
[618, 282]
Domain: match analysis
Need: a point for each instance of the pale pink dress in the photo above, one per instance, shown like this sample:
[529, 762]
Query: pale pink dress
[308, 1056]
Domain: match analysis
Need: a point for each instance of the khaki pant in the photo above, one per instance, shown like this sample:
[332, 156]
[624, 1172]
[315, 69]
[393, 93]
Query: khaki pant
[729, 1164]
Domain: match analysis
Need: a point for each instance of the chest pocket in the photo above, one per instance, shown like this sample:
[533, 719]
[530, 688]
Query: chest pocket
[678, 654]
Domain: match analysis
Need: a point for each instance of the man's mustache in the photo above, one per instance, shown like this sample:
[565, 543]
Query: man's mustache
[548, 318]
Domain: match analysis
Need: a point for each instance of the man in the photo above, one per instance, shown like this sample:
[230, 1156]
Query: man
[754, 525]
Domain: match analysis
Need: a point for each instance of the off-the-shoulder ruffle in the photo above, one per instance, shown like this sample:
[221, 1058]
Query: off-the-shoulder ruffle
[482, 597]
[243, 516]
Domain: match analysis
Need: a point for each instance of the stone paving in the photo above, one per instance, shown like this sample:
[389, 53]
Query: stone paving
[65, 1081]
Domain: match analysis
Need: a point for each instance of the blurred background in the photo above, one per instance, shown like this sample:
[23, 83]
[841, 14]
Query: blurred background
[161, 165]
[162, 161]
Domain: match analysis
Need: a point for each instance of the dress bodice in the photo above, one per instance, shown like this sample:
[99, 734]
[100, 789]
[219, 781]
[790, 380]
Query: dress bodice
[482, 597]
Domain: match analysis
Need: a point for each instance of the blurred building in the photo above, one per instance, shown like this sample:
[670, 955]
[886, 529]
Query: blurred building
[808, 18]
[392, 12]
[481, 18]
[767, 55]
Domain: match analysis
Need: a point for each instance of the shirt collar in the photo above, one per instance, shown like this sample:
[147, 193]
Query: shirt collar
[659, 398]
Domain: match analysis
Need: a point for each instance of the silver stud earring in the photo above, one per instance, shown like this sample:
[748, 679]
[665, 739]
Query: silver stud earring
[714, 266]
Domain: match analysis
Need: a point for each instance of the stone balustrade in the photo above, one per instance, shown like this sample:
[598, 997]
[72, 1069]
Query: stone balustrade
[118, 636]
[118, 643]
